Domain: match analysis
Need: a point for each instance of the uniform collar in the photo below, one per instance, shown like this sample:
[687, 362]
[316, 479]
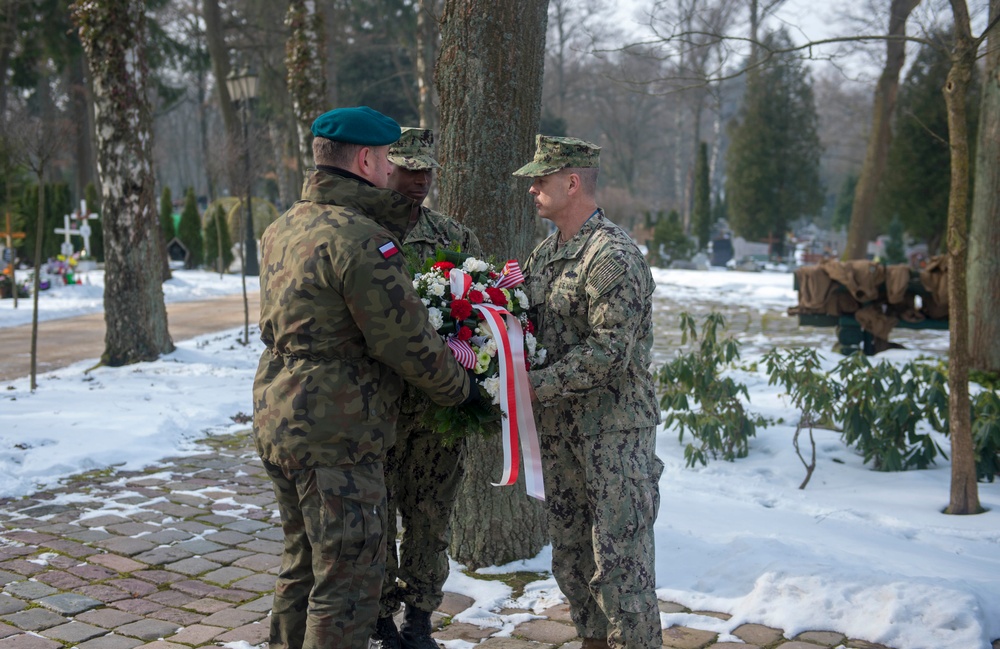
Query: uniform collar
[572, 248]
[388, 208]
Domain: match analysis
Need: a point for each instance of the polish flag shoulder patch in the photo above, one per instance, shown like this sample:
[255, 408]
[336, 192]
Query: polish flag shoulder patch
[388, 249]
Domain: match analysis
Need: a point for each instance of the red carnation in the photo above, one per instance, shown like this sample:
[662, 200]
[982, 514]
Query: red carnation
[445, 268]
[496, 296]
[460, 309]
[464, 333]
[529, 326]
[476, 297]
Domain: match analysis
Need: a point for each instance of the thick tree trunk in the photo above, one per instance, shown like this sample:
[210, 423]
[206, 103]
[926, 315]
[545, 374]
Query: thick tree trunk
[964, 489]
[427, 36]
[862, 228]
[489, 78]
[219, 52]
[136, 317]
[984, 237]
[304, 55]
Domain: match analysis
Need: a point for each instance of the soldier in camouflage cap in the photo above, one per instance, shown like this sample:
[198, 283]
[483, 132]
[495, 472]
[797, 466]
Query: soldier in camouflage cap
[590, 292]
[422, 474]
[343, 329]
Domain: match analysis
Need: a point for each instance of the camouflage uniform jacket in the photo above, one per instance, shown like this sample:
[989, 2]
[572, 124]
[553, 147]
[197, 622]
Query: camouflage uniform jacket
[434, 231]
[343, 327]
[591, 307]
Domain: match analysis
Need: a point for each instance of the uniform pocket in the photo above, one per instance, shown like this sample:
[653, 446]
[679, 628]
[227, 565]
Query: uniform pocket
[352, 519]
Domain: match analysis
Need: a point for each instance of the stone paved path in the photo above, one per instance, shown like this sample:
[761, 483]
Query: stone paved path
[184, 555]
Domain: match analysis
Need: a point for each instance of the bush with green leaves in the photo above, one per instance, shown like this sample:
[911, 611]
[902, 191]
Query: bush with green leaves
[986, 434]
[189, 230]
[811, 392]
[881, 407]
[720, 424]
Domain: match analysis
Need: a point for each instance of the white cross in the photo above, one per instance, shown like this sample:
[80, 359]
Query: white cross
[66, 247]
[84, 230]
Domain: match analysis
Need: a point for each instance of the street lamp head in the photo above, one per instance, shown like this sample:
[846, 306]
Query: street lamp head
[242, 84]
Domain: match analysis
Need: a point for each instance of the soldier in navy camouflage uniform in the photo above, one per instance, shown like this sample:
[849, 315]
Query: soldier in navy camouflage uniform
[595, 405]
[422, 474]
[342, 328]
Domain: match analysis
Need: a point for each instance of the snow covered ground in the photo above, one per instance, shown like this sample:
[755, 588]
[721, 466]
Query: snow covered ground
[864, 553]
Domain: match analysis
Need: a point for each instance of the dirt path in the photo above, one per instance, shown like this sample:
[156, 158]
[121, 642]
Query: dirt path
[68, 340]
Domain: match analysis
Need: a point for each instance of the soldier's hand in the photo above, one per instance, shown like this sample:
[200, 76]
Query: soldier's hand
[474, 397]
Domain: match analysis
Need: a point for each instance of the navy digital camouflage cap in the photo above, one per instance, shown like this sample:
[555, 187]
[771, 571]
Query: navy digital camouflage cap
[356, 125]
[414, 150]
[555, 153]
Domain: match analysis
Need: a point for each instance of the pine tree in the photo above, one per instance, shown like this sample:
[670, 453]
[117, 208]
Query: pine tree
[189, 229]
[217, 224]
[167, 215]
[895, 247]
[917, 180]
[773, 158]
[57, 204]
[701, 215]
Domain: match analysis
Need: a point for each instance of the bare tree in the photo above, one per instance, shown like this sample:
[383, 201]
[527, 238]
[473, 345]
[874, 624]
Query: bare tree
[427, 47]
[112, 33]
[862, 229]
[304, 60]
[489, 77]
[984, 235]
[36, 142]
[964, 487]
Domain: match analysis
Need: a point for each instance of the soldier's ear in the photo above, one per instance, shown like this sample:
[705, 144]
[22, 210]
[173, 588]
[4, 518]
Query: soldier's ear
[573, 183]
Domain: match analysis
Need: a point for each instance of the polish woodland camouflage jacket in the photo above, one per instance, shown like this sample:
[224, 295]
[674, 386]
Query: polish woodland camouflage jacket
[343, 328]
[434, 231]
[592, 311]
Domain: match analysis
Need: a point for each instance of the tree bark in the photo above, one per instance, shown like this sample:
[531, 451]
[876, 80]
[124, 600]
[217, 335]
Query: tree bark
[984, 236]
[964, 488]
[427, 35]
[304, 54]
[112, 35]
[216, 39]
[489, 79]
[862, 228]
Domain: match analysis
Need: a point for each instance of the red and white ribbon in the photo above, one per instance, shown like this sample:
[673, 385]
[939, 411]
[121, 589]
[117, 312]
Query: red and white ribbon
[515, 394]
[515, 402]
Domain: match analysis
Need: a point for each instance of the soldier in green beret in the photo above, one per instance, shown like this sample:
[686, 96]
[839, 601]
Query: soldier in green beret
[422, 474]
[343, 328]
[590, 292]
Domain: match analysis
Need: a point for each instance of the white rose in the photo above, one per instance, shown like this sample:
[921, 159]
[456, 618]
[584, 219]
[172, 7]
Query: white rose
[435, 317]
[437, 290]
[492, 386]
[522, 299]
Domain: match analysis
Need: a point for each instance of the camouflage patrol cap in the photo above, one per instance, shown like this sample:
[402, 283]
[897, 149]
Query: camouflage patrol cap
[414, 150]
[555, 153]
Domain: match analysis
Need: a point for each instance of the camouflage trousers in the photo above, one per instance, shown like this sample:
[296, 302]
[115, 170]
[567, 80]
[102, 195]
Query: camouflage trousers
[422, 478]
[602, 497]
[327, 591]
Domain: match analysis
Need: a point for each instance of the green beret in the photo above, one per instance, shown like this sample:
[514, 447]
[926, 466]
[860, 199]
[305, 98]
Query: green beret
[555, 153]
[356, 125]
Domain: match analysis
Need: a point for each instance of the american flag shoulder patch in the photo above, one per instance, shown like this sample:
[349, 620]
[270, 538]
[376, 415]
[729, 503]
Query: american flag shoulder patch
[388, 249]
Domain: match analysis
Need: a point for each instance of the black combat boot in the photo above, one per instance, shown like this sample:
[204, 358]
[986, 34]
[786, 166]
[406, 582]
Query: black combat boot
[386, 636]
[416, 630]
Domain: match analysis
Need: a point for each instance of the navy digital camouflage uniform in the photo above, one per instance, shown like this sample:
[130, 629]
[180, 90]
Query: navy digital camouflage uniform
[343, 327]
[422, 474]
[596, 416]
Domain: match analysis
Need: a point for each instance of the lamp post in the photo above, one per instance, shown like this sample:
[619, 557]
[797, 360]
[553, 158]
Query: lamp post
[242, 87]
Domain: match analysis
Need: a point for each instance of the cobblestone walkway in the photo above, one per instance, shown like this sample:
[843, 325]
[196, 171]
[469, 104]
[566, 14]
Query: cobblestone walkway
[184, 555]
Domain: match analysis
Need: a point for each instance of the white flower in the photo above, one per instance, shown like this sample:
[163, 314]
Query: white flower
[492, 386]
[479, 287]
[435, 317]
[530, 344]
[473, 265]
[522, 299]
[425, 301]
[490, 348]
[437, 290]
